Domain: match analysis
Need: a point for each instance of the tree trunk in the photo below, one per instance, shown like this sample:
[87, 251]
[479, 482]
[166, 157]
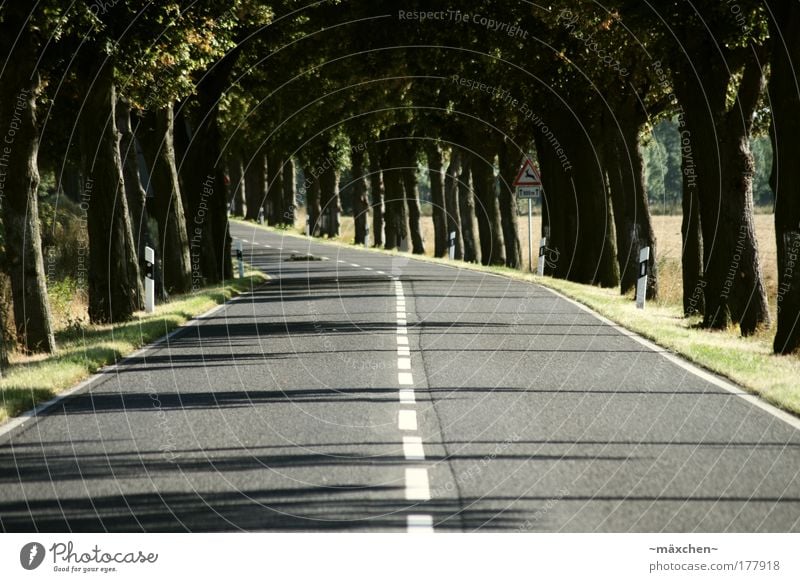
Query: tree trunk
[8, 330]
[623, 161]
[451, 188]
[179, 264]
[488, 209]
[377, 192]
[236, 173]
[203, 175]
[435, 159]
[692, 243]
[289, 193]
[508, 158]
[18, 195]
[359, 189]
[274, 190]
[331, 203]
[396, 229]
[114, 282]
[134, 192]
[255, 185]
[313, 202]
[411, 187]
[466, 199]
[785, 179]
[734, 290]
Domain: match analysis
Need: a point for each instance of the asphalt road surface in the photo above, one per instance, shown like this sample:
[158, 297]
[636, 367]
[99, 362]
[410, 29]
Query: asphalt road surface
[365, 392]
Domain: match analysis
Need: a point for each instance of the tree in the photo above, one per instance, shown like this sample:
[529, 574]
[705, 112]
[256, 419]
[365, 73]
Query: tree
[784, 99]
[20, 86]
[716, 63]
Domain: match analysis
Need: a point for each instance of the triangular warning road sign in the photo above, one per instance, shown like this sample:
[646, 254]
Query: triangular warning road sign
[528, 175]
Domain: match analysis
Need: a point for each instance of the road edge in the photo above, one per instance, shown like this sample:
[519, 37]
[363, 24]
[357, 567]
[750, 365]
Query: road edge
[19, 422]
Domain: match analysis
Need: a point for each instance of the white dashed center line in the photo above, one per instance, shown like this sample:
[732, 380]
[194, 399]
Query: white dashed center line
[420, 524]
[412, 448]
[417, 487]
[407, 420]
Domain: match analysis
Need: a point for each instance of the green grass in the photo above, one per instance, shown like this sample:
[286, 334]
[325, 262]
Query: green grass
[748, 362]
[83, 350]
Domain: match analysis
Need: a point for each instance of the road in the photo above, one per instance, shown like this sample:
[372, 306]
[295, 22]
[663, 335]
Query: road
[366, 392]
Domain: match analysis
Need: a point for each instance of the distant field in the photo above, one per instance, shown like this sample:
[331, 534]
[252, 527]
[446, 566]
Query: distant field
[668, 240]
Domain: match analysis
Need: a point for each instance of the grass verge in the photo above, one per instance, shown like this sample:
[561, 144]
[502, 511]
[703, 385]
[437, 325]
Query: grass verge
[748, 362]
[82, 351]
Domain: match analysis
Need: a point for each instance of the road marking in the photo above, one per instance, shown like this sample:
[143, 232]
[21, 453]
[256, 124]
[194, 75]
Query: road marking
[407, 420]
[403, 351]
[403, 341]
[380, 272]
[405, 379]
[418, 523]
[412, 448]
[407, 396]
[324, 258]
[417, 486]
[244, 240]
[402, 330]
[268, 246]
[354, 265]
[403, 363]
[368, 268]
[341, 261]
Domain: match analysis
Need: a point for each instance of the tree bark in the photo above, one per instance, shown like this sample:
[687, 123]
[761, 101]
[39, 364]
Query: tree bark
[451, 188]
[19, 181]
[114, 282]
[466, 200]
[179, 264]
[377, 192]
[289, 193]
[359, 190]
[785, 179]
[508, 158]
[435, 159]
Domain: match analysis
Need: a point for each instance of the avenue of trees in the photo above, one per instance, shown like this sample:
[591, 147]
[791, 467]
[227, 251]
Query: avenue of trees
[159, 118]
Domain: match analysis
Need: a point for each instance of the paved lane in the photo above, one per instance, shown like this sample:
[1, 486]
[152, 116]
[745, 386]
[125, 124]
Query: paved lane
[362, 391]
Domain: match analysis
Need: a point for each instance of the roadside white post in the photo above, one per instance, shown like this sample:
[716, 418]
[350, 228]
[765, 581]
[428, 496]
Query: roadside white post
[308, 226]
[542, 252]
[240, 258]
[261, 215]
[149, 281]
[451, 252]
[641, 284]
[366, 236]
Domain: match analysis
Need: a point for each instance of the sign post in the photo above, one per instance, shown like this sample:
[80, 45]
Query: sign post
[529, 186]
[240, 258]
[149, 281]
